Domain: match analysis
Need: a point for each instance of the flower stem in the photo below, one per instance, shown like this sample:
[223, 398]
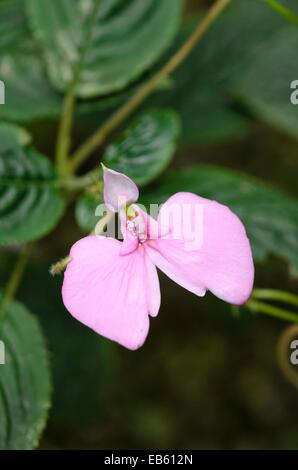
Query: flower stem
[64, 133]
[144, 91]
[283, 10]
[15, 278]
[278, 295]
[261, 307]
[77, 183]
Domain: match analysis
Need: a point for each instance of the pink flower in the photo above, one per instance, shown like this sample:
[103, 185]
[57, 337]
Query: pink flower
[113, 287]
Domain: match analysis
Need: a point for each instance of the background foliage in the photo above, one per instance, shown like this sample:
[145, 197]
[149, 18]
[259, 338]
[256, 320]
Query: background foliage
[224, 124]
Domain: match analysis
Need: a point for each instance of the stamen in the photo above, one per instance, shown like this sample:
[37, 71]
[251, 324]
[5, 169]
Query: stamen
[131, 228]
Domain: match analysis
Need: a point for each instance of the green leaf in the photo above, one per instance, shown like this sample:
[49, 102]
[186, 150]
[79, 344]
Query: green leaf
[145, 149]
[28, 93]
[13, 135]
[102, 45]
[30, 205]
[81, 359]
[85, 211]
[270, 217]
[205, 86]
[266, 87]
[24, 380]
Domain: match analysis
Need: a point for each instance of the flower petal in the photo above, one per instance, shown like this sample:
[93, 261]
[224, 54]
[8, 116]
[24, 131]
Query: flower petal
[153, 289]
[207, 248]
[130, 241]
[111, 293]
[119, 189]
[162, 255]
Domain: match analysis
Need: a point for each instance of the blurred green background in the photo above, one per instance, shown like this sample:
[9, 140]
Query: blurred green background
[207, 377]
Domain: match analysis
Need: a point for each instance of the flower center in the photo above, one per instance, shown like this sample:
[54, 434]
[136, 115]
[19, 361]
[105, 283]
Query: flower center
[136, 227]
[131, 228]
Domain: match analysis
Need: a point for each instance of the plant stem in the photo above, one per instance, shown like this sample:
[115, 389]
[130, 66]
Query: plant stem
[278, 295]
[284, 11]
[81, 182]
[64, 133]
[144, 91]
[60, 266]
[260, 307]
[15, 278]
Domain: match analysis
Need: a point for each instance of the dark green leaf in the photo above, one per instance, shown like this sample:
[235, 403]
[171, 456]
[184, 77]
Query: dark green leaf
[270, 217]
[30, 205]
[24, 380]
[205, 86]
[85, 211]
[144, 150]
[81, 361]
[266, 86]
[104, 45]
[28, 94]
[13, 136]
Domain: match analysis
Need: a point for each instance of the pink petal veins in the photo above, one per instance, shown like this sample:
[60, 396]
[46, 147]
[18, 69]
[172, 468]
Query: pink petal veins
[111, 294]
[209, 250]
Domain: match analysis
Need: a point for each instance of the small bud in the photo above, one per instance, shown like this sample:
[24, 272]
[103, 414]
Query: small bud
[119, 190]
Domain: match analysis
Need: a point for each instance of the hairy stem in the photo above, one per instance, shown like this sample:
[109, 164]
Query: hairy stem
[60, 266]
[261, 307]
[15, 278]
[144, 91]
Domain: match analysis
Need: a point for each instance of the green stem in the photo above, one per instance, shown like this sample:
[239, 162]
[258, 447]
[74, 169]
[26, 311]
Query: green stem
[144, 91]
[64, 133]
[278, 295]
[60, 266]
[15, 278]
[80, 182]
[284, 11]
[260, 307]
